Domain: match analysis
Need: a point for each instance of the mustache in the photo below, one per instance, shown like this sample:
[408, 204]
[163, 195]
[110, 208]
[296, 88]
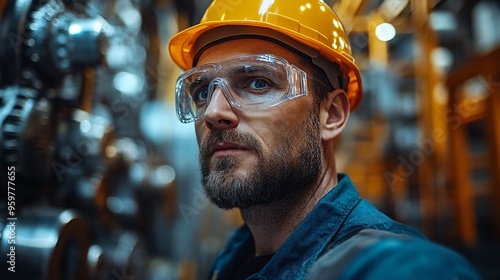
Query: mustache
[217, 136]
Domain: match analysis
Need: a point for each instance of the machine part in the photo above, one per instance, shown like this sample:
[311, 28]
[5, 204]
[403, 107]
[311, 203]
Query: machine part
[78, 191]
[12, 22]
[27, 137]
[96, 263]
[53, 38]
[122, 153]
[82, 139]
[55, 127]
[123, 256]
[80, 161]
[50, 244]
[64, 40]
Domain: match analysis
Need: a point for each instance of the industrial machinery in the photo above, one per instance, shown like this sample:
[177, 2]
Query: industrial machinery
[78, 179]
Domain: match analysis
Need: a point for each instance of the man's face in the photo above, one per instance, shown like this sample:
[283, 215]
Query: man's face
[257, 157]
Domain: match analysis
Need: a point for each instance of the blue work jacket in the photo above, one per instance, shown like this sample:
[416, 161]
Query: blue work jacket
[345, 237]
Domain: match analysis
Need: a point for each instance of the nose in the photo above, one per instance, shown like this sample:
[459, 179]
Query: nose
[219, 114]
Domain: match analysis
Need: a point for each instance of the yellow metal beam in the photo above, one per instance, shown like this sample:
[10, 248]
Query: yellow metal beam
[378, 50]
[431, 120]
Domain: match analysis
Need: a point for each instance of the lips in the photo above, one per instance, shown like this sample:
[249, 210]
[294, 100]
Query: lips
[225, 148]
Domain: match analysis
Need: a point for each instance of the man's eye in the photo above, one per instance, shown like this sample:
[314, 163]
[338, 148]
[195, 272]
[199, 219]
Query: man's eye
[259, 84]
[201, 95]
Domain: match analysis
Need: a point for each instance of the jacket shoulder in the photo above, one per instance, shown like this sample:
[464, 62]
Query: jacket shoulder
[379, 254]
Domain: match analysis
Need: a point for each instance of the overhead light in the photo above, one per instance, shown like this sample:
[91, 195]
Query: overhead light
[385, 32]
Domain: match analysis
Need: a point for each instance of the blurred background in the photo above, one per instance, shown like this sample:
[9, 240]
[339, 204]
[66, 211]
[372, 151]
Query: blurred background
[107, 180]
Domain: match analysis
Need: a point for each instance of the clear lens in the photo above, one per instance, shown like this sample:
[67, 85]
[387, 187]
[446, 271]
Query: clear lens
[249, 83]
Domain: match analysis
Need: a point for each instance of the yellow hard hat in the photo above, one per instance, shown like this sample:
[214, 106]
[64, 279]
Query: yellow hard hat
[311, 24]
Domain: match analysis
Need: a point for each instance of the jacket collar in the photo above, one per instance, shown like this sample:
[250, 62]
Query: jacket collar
[303, 246]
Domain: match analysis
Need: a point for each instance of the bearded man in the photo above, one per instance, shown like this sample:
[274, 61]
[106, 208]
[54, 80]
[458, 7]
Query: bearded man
[270, 86]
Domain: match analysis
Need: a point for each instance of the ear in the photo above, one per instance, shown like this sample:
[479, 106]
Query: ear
[334, 113]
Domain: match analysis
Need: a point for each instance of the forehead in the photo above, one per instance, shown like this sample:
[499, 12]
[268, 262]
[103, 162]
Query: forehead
[246, 46]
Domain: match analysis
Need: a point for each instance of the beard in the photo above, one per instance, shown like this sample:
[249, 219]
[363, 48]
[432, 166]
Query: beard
[293, 164]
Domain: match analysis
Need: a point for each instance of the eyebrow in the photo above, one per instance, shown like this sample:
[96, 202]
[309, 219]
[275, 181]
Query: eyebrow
[196, 83]
[247, 69]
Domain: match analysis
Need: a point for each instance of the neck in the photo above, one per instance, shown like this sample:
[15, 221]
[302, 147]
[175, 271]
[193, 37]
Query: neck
[272, 224]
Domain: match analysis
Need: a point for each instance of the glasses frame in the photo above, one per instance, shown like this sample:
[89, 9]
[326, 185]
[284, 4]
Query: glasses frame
[186, 112]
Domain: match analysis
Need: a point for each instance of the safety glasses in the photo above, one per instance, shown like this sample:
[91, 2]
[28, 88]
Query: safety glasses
[253, 82]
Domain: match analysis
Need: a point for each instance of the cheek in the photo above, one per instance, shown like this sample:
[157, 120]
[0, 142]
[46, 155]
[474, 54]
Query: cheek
[289, 120]
[278, 131]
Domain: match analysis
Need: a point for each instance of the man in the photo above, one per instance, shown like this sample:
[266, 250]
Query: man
[270, 85]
